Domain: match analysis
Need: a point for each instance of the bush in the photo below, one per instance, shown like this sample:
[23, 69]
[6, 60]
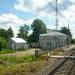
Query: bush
[2, 43]
[73, 41]
[22, 49]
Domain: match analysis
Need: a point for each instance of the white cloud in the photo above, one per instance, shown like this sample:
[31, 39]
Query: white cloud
[72, 1]
[69, 18]
[10, 18]
[43, 9]
[13, 21]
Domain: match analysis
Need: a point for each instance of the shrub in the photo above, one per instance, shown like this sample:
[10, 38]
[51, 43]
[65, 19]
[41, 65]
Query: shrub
[73, 41]
[2, 43]
[22, 49]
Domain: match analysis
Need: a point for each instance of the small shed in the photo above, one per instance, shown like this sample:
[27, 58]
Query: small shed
[17, 43]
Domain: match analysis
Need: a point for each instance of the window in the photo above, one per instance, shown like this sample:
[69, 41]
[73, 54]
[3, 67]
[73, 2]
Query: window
[47, 43]
[50, 43]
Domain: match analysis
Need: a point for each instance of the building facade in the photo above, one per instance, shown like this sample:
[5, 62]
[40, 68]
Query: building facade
[17, 43]
[52, 40]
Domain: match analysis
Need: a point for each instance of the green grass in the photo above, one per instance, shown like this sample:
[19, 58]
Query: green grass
[23, 64]
[17, 59]
[16, 65]
[4, 51]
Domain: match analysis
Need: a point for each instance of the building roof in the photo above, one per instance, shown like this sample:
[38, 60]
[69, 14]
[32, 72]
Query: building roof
[18, 40]
[52, 33]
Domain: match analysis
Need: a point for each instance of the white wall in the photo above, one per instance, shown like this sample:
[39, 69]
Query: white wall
[55, 42]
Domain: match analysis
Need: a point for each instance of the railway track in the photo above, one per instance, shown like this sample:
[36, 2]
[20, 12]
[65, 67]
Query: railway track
[61, 66]
[67, 68]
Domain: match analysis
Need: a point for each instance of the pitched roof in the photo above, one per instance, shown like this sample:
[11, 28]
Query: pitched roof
[18, 40]
[52, 33]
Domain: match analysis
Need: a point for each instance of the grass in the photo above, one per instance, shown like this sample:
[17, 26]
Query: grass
[23, 64]
[17, 59]
[5, 51]
[23, 68]
[17, 65]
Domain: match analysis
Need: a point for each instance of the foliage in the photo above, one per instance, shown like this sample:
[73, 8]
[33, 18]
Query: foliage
[66, 31]
[73, 41]
[23, 68]
[31, 38]
[22, 49]
[38, 28]
[6, 34]
[10, 33]
[17, 59]
[23, 32]
[5, 51]
[3, 33]
[2, 43]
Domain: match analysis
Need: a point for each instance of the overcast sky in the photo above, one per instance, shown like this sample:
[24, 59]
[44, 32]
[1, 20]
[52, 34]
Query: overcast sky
[16, 13]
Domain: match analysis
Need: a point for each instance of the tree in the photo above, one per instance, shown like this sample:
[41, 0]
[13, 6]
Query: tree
[38, 28]
[23, 32]
[73, 41]
[4, 34]
[10, 33]
[2, 43]
[66, 31]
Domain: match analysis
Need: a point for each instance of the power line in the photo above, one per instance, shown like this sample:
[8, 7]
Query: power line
[57, 12]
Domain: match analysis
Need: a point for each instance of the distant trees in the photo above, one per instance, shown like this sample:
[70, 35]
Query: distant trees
[6, 34]
[38, 28]
[23, 32]
[73, 41]
[66, 31]
[10, 33]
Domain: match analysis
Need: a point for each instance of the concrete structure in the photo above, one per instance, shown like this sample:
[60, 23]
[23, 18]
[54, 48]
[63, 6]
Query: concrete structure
[17, 43]
[52, 40]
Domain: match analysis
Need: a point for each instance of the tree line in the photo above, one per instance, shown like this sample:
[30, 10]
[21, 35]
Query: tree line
[5, 35]
[38, 27]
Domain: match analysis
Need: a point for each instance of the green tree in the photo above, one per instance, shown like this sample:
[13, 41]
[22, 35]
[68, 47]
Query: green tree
[38, 28]
[23, 32]
[10, 33]
[73, 41]
[66, 31]
[4, 34]
[2, 43]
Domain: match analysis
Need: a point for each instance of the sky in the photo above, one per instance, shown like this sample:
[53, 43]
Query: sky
[16, 13]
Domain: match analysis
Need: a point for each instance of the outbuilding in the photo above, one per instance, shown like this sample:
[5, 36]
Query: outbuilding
[52, 40]
[17, 43]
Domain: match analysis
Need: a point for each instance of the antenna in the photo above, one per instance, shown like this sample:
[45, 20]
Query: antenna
[56, 14]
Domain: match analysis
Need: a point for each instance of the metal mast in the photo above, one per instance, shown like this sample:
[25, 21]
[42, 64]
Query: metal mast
[56, 14]
[68, 37]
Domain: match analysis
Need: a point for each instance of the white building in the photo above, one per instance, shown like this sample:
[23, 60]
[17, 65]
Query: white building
[17, 43]
[52, 40]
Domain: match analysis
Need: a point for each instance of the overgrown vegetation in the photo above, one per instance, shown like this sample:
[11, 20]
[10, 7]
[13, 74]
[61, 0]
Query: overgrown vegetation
[5, 51]
[2, 43]
[25, 63]
[17, 59]
[73, 41]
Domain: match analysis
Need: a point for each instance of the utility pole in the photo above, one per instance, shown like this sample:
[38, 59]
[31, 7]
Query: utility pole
[56, 10]
[68, 37]
[56, 14]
